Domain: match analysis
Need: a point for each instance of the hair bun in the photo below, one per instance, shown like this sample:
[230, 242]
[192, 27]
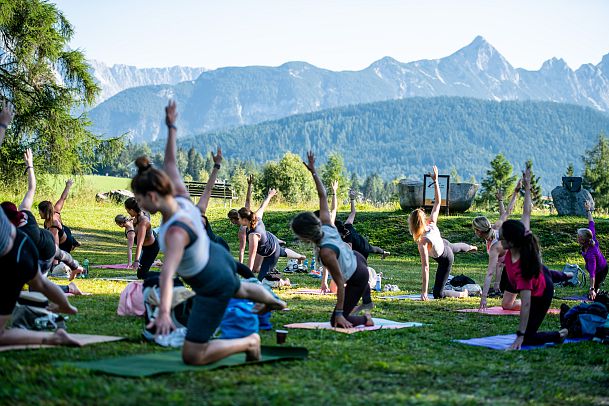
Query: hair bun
[143, 164]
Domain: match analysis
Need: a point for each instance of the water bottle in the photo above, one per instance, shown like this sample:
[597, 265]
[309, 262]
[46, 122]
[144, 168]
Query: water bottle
[306, 263]
[377, 287]
[85, 265]
[312, 263]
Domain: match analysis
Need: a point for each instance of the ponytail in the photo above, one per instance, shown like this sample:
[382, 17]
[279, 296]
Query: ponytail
[149, 179]
[47, 210]
[251, 216]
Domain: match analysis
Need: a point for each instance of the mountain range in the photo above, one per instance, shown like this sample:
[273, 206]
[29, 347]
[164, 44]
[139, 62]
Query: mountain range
[116, 78]
[235, 96]
[404, 138]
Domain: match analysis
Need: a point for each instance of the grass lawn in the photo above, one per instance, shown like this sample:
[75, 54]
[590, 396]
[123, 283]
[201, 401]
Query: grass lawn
[410, 366]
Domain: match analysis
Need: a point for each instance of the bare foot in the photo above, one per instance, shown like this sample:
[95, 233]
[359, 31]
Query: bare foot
[385, 254]
[563, 333]
[75, 272]
[55, 308]
[472, 248]
[369, 321]
[73, 289]
[253, 351]
[261, 308]
[364, 307]
[60, 337]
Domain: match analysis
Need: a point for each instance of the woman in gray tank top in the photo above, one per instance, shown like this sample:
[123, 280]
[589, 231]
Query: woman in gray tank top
[430, 243]
[348, 268]
[203, 264]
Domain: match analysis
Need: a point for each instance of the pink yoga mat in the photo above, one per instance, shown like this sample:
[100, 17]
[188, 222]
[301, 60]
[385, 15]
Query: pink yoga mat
[499, 311]
[378, 325]
[311, 292]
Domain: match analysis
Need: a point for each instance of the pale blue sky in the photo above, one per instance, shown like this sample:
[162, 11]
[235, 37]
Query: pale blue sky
[334, 34]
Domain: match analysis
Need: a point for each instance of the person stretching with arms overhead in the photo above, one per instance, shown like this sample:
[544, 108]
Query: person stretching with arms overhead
[348, 268]
[490, 233]
[527, 276]
[596, 265]
[430, 243]
[203, 264]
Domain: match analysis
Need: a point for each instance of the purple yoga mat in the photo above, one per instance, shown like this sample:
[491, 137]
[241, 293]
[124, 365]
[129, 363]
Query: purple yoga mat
[503, 342]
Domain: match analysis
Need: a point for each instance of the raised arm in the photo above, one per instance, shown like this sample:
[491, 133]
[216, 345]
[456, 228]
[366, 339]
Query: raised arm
[589, 210]
[265, 203]
[248, 195]
[324, 211]
[170, 163]
[504, 214]
[435, 211]
[64, 196]
[528, 204]
[6, 116]
[204, 200]
[28, 199]
[352, 197]
[334, 201]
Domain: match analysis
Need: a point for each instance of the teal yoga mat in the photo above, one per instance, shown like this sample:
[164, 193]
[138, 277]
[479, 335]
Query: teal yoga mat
[171, 361]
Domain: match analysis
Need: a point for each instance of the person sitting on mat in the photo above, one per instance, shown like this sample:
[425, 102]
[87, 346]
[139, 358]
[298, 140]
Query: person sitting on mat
[24, 220]
[490, 233]
[242, 270]
[426, 234]
[596, 265]
[19, 264]
[203, 264]
[527, 276]
[147, 245]
[261, 241]
[348, 268]
[51, 214]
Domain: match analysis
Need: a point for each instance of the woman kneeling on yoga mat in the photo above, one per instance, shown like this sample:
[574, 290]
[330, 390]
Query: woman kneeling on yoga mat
[430, 243]
[348, 268]
[527, 276]
[205, 265]
[19, 265]
[147, 245]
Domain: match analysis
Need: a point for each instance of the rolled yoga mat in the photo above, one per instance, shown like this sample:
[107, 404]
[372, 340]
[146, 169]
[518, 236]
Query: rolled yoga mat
[154, 363]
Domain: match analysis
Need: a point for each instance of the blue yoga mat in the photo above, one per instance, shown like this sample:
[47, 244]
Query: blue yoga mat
[504, 342]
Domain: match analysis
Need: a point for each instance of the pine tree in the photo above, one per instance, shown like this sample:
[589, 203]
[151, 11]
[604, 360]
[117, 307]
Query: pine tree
[596, 171]
[570, 170]
[536, 193]
[498, 178]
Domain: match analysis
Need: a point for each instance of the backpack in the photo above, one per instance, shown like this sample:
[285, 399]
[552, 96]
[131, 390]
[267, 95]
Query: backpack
[583, 319]
[131, 302]
[239, 320]
[579, 276]
[181, 305]
[36, 318]
[461, 280]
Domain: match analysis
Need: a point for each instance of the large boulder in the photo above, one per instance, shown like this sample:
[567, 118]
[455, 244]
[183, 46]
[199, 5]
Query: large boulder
[117, 196]
[461, 195]
[569, 203]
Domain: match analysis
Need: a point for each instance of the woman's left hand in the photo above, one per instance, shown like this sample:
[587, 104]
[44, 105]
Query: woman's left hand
[517, 344]
[135, 265]
[163, 325]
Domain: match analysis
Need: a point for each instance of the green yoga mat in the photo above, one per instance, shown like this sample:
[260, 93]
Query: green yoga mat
[171, 361]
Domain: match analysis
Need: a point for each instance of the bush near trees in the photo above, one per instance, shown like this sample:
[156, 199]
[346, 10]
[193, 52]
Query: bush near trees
[498, 179]
[596, 171]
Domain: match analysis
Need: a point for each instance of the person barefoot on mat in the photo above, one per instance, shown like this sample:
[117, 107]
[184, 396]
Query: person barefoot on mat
[24, 220]
[596, 265]
[262, 242]
[19, 264]
[203, 264]
[51, 214]
[430, 243]
[490, 233]
[527, 276]
[348, 268]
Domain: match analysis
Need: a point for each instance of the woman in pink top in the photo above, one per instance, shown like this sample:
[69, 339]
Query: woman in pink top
[527, 276]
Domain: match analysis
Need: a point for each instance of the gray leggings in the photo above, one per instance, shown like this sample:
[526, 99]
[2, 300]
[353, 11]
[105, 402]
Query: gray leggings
[445, 265]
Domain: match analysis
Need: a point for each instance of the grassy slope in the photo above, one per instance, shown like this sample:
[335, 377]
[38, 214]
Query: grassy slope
[406, 366]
